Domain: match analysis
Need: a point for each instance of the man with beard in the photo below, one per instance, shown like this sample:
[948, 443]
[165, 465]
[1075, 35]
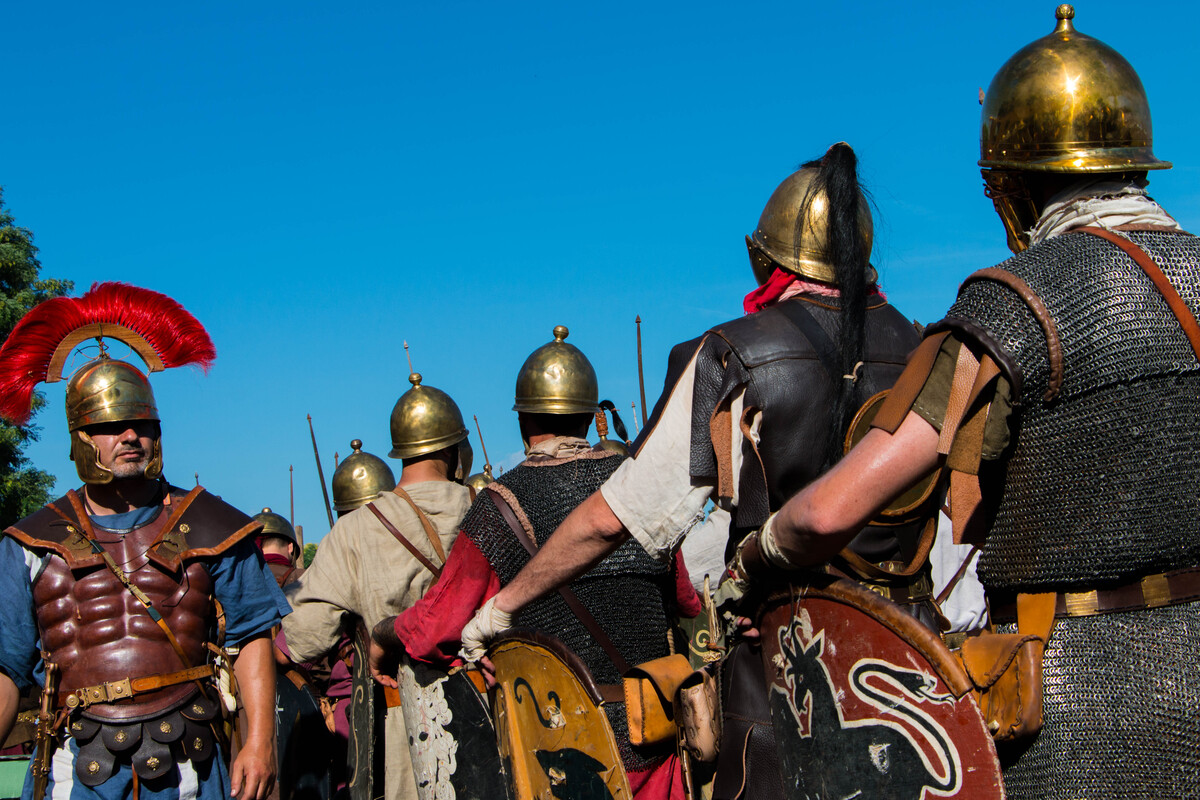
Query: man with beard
[121, 583]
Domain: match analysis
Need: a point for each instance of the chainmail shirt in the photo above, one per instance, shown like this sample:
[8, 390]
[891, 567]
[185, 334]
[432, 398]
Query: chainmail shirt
[1100, 483]
[628, 592]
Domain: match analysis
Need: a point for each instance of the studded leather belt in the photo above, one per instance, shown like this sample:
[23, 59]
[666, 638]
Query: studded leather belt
[111, 691]
[1152, 591]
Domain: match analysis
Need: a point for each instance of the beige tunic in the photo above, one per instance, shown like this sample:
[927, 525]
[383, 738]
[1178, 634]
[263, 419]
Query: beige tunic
[361, 569]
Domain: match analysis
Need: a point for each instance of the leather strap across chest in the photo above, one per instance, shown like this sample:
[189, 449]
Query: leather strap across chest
[163, 523]
[426, 525]
[1187, 320]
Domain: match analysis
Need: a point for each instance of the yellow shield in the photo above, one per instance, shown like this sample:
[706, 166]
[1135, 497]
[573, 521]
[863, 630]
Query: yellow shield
[553, 732]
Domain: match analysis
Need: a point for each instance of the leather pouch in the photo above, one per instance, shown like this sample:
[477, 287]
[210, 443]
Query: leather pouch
[650, 698]
[1006, 670]
[698, 715]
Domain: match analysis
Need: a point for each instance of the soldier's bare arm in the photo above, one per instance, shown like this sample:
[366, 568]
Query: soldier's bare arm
[583, 539]
[818, 522]
[253, 772]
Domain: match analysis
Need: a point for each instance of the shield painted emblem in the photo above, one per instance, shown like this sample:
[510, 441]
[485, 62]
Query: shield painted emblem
[366, 725]
[450, 735]
[868, 703]
[554, 736]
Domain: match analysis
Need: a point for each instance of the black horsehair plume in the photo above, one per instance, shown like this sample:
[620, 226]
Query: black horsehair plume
[837, 177]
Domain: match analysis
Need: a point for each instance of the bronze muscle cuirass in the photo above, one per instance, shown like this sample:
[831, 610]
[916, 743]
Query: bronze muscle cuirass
[97, 631]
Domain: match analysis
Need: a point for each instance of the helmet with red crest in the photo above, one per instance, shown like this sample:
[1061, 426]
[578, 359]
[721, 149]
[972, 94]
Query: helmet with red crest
[105, 389]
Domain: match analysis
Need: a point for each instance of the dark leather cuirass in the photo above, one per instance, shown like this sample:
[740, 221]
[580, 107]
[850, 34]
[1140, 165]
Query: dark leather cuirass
[788, 381]
[97, 631]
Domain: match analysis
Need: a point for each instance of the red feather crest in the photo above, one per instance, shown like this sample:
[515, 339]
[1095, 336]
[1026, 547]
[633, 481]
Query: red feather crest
[154, 325]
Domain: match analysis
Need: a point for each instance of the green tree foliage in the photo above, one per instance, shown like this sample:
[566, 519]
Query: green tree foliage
[310, 552]
[23, 489]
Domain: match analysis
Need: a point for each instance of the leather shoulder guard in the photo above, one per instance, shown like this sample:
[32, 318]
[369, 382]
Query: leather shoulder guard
[197, 525]
[1084, 284]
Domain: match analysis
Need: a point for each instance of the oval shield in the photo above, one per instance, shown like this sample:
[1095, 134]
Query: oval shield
[553, 732]
[868, 703]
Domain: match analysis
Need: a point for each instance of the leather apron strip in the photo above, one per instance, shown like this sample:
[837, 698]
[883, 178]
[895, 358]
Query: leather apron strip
[412, 548]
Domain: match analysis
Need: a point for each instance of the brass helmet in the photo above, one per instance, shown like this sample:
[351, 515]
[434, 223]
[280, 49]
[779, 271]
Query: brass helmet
[799, 245]
[108, 390]
[275, 525]
[424, 420]
[1065, 103]
[480, 480]
[557, 379]
[360, 478]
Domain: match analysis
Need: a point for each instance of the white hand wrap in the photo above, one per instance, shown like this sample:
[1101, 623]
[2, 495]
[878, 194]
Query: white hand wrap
[770, 548]
[487, 623]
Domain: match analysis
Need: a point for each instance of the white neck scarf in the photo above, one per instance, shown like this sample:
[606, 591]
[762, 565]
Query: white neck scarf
[1101, 203]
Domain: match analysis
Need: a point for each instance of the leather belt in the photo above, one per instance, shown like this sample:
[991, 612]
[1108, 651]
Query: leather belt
[903, 591]
[1152, 591]
[111, 691]
[611, 693]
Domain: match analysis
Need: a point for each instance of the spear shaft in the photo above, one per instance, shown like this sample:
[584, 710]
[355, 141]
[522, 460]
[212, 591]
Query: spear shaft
[641, 372]
[487, 465]
[320, 472]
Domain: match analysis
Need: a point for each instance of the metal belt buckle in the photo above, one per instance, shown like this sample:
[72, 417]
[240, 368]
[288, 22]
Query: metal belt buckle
[879, 589]
[1156, 591]
[118, 689]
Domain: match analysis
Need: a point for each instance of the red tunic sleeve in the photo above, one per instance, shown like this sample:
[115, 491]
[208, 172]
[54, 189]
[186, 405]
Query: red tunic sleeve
[432, 629]
[686, 598]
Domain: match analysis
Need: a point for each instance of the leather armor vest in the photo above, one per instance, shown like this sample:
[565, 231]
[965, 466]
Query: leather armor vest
[628, 592]
[1100, 482]
[95, 629]
[787, 378]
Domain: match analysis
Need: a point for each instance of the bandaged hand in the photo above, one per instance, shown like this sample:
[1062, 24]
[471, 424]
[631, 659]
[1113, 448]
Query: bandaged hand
[487, 623]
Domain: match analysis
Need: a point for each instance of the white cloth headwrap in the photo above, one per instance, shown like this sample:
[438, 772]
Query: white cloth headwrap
[1102, 203]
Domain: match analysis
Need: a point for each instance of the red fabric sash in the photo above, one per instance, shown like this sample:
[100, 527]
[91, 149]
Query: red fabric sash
[769, 292]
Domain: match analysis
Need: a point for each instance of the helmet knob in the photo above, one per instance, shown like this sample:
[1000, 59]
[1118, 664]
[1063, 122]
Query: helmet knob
[356, 445]
[560, 333]
[266, 510]
[1064, 14]
[415, 379]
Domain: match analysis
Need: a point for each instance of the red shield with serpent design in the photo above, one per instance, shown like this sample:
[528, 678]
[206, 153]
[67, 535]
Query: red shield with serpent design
[867, 702]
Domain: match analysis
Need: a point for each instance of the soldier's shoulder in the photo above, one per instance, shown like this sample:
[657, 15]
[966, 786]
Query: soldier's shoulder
[209, 523]
[45, 525]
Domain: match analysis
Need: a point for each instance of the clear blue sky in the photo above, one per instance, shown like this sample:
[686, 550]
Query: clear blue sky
[318, 182]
